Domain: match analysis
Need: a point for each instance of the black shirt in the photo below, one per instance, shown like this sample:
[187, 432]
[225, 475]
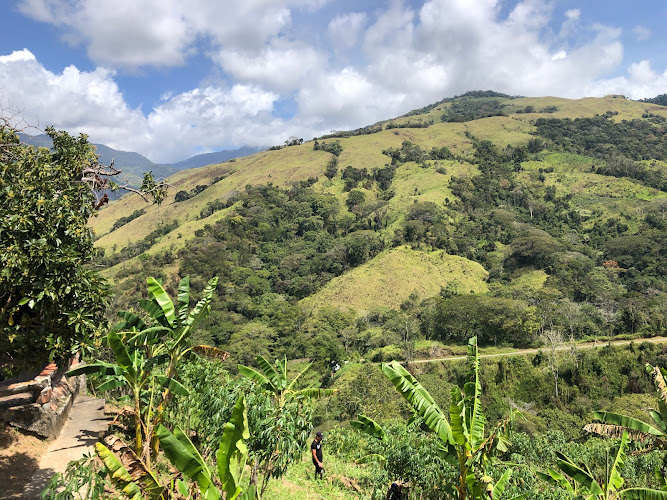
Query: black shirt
[317, 446]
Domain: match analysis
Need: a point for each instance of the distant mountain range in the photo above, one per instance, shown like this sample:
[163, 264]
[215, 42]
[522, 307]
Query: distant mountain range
[134, 165]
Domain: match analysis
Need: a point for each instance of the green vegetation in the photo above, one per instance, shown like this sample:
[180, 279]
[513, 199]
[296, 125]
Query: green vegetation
[471, 218]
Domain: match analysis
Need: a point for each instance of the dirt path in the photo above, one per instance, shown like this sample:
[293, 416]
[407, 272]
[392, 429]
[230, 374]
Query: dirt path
[566, 347]
[81, 431]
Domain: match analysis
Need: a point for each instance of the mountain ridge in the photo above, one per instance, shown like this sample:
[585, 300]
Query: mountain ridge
[133, 164]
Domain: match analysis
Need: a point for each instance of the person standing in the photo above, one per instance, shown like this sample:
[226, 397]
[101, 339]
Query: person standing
[316, 451]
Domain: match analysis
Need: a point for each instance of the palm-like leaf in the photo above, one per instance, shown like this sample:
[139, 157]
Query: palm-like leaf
[473, 389]
[131, 322]
[203, 307]
[624, 421]
[369, 426]
[184, 456]
[556, 478]
[579, 474]
[258, 377]
[457, 417]
[173, 385]
[118, 473]
[233, 451]
[135, 468]
[315, 392]
[615, 480]
[183, 299]
[161, 298]
[121, 353]
[210, 352]
[276, 380]
[420, 400]
[643, 494]
[501, 484]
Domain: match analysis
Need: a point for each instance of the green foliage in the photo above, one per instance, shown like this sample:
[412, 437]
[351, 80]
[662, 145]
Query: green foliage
[601, 137]
[273, 378]
[142, 483]
[335, 147]
[463, 439]
[659, 99]
[284, 428]
[52, 302]
[82, 480]
[332, 168]
[125, 220]
[465, 110]
[140, 348]
[614, 423]
[231, 457]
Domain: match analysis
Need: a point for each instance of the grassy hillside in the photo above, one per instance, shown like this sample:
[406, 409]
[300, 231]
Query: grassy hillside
[391, 277]
[480, 214]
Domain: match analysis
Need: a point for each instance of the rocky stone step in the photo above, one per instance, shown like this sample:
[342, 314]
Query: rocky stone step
[34, 386]
[20, 399]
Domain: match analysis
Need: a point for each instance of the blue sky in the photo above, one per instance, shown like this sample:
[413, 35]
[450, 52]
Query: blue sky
[171, 79]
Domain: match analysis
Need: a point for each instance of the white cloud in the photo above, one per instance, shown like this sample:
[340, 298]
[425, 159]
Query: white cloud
[359, 68]
[185, 124]
[642, 33]
[120, 33]
[17, 55]
[344, 30]
[135, 33]
[561, 54]
[641, 81]
[282, 65]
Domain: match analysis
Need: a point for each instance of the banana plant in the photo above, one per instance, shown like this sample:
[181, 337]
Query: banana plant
[131, 369]
[369, 426]
[128, 472]
[613, 424]
[577, 479]
[275, 379]
[463, 439]
[177, 323]
[140, 349]
[231, 458]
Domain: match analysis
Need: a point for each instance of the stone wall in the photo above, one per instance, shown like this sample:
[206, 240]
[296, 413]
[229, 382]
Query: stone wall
[41, 405]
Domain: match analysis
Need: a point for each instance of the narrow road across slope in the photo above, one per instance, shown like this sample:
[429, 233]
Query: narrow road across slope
[565, 347]
[81, 431]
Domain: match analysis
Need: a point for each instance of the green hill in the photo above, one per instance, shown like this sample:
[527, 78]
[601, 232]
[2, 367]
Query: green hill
[392, 276]
[550, 210]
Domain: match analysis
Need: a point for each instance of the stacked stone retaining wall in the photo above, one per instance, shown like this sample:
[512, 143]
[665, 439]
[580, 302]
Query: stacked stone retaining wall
[41, 405]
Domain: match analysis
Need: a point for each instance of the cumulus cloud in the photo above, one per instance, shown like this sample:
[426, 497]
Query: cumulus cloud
[282, 65]
[359, 68]
[344, 30]
[640, 82]
[135, 33]
[18, 55]
[184, 124]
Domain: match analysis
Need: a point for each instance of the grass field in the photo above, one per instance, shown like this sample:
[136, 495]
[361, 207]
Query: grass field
[390, 278]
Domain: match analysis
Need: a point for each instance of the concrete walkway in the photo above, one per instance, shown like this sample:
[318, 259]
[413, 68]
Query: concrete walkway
[85, 423]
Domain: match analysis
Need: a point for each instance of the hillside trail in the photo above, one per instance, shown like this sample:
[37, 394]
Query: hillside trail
[85, 423]
[565, 347]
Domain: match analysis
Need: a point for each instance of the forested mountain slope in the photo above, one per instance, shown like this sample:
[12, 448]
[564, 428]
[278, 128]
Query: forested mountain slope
[484, 214]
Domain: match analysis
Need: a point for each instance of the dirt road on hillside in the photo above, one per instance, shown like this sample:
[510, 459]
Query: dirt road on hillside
[564, 347]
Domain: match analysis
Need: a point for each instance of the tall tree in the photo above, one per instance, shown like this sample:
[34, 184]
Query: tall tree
[51, 300]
